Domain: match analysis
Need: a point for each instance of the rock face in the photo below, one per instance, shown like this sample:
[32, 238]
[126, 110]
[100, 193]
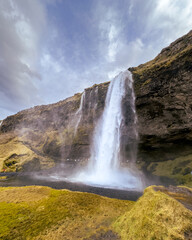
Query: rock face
[164, 107]
[37, 138]
[52, 132]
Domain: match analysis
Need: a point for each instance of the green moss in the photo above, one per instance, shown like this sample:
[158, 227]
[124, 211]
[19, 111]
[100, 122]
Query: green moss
[82, 134]
[179, 169]
[44, 213]
[164, 61]
[146, 82]
[17, 151]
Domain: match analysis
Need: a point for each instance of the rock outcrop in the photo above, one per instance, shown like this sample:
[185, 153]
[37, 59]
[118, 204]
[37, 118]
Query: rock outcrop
[41, 136]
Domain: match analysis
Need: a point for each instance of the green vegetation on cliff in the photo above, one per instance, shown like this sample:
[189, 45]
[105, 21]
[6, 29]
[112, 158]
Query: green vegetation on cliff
[179, 169]
[16, 155]
[178, 53]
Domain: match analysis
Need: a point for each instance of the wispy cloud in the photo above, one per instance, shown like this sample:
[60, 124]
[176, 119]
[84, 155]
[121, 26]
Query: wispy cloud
[19, 42]
[52, 49]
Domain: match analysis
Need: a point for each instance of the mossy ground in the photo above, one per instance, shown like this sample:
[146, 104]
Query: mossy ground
[155, 216]
[45, 213]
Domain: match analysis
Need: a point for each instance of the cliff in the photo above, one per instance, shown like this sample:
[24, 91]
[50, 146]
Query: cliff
[163, 89]
[39, 137]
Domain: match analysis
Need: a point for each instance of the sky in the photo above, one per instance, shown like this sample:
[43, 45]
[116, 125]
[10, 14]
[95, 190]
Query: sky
[52, 49]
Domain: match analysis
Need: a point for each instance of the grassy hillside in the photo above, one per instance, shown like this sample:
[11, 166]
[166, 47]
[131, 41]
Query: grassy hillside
[43, 213]
[177, 54]
[155, 216]
[16, 155]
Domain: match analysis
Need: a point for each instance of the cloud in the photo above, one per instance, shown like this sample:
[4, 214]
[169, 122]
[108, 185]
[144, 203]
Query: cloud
[116, 35]
[21, 24]
[136, 31]
[52, 49]
[169, 20]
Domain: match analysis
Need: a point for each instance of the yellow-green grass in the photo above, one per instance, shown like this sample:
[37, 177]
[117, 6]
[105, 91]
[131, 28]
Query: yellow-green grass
[44, 213]
[3, 177]
[162, 61]
[155, 216]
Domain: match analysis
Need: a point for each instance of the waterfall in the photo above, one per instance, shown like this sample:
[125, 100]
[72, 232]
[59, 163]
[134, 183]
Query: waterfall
[106, 148]
[78, 114]
[104, 166]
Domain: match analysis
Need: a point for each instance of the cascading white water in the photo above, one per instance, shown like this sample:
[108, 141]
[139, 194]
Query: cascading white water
[104, 167]
[106, 146]
[79, 112]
